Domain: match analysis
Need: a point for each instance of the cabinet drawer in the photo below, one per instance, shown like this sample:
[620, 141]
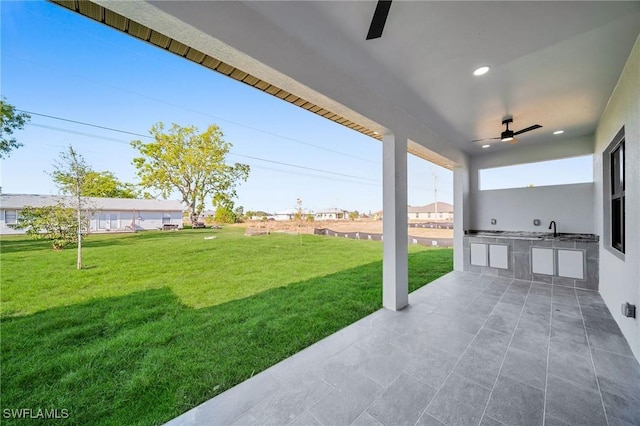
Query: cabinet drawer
[479, 254]
[542, 261]
[571, 264]
[499, 256]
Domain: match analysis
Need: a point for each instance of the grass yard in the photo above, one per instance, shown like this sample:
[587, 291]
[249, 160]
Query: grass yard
[159, 322]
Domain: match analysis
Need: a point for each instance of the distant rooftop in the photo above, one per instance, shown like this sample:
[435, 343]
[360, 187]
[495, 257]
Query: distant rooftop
[18, 201]
[431, 208]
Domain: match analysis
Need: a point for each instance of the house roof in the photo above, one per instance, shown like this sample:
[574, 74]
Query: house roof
[431, 208]
[18, 201]
[331, 211]
[292, 212]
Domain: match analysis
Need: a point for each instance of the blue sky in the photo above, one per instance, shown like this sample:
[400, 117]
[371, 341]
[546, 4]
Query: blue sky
[57, 63]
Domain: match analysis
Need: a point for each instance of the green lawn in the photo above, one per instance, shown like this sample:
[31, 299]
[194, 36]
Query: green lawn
[159, 322]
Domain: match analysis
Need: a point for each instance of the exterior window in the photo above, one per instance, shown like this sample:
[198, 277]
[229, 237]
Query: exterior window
[102, 221]
[11, 217]
[166, 218]
[616, 159]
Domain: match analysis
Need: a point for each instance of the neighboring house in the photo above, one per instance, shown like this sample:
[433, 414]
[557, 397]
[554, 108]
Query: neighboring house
[106, 214]
[433, 211]
[289, 214]
[206, 214]
[332, 214]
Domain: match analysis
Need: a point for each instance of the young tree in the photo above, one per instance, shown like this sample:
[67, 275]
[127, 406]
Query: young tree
[299, 217]
[96, 184]
[57, 223]
[191, 163]
[72, 170]
[238, 212]
[10, 121]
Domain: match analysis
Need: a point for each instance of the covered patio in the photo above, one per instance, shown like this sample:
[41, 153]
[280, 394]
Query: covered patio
[472, 348]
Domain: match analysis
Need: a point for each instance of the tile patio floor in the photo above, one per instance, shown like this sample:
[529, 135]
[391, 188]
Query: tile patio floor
[469, 350]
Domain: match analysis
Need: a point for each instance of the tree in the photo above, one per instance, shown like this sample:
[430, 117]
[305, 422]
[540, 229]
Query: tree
[225, 215]
[239, 214]
[57, 223]
[190, 163]
[96, 184]
[10, 122]
[354, 215]
[72, 170]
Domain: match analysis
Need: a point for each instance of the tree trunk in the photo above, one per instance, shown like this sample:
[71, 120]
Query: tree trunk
[194, 216]
[79, 263]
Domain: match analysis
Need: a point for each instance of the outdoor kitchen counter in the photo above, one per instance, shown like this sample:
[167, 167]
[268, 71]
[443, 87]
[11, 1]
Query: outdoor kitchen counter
[570, 260]
[535, 236]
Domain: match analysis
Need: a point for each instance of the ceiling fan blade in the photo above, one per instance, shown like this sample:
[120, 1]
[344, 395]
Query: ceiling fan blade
[379, 19]
[535, 126]
[485, 139]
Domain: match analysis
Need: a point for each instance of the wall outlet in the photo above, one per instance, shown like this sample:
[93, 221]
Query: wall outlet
[629, 310]
[493, 221]
[536, 222]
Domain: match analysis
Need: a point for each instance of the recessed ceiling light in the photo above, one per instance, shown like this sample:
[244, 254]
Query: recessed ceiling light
[558, 132]
[481, 71]
[486, 146]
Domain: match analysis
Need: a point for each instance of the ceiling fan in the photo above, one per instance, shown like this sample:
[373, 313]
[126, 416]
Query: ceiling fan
[379, 19]
[508, 134]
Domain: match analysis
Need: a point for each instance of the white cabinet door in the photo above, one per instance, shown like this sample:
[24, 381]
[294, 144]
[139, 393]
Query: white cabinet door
[542, 261]
[499, 256]
[571, 264]
[478, 254]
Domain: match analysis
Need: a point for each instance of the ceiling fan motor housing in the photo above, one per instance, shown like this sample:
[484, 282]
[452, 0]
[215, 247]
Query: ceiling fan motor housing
[507, 135]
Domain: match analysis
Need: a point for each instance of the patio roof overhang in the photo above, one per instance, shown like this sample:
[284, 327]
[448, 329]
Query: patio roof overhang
[551, 63]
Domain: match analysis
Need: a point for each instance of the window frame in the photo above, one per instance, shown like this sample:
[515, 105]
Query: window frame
[17, 217]
[614, 217]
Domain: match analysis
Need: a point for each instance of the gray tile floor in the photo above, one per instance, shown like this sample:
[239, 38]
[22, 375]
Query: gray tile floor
[469, 350]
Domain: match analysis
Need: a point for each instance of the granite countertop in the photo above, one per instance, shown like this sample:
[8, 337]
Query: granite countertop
[525, 235]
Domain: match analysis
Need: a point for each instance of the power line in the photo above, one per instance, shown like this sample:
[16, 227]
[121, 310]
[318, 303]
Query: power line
[230, 153]
[85, 124]
[91, 135]
[302, 167]
[324, 178]
[207, 114]
[297, 166]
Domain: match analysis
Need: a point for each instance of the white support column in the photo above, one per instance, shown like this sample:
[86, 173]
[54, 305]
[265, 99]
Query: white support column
[461, 208]
[395, 263]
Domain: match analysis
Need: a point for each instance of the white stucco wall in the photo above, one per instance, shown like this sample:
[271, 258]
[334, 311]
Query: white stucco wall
[620, 279]
[571, 206]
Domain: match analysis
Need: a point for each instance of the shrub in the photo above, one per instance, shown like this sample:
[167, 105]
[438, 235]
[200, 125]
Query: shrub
[58, 223]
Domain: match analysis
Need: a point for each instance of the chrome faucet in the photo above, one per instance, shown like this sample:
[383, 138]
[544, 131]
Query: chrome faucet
[553, 224]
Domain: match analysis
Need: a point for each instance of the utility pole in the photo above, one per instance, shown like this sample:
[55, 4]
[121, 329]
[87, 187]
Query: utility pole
[435, 191]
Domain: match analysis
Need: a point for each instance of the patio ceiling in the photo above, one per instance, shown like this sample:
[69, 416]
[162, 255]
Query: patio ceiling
[552, 63]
